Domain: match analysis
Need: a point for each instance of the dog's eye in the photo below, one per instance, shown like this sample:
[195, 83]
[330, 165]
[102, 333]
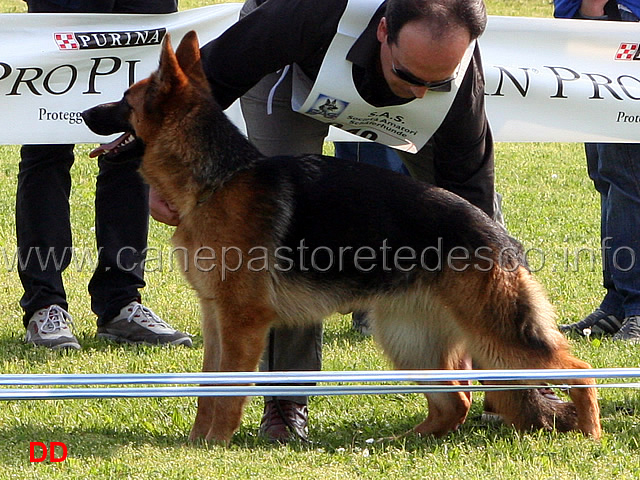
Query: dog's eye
[125, 107]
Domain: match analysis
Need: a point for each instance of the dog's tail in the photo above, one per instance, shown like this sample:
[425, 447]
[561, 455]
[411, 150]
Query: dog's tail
[528, 337]
[534, 317]
[509, 310]
[531, 410]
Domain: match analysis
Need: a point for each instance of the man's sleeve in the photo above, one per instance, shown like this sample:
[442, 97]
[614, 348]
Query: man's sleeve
[463, 144]
[276, 34]
[566, 8]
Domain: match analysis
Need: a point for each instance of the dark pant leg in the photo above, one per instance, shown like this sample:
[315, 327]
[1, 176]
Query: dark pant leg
[122, 210]
[43, 226]
[619, 169]
[122, 221]
[612, 302]
[293, 349]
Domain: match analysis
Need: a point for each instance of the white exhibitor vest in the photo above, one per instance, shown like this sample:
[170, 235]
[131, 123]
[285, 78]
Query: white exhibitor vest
[334, 99]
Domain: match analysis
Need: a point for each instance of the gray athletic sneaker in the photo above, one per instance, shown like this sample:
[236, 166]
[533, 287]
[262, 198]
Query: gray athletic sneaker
[51, 327]
[630, 331]
[599, 323]
[138, 324]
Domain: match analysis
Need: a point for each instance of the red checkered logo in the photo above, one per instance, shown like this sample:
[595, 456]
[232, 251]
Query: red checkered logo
[66, 41]
[627, 51]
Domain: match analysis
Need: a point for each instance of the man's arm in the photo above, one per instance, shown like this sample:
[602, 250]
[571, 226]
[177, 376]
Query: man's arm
[463, 144]
[276, 34]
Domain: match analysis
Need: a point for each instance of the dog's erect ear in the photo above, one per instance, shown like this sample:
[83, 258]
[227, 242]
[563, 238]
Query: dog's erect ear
[170, 74]
[188, 54]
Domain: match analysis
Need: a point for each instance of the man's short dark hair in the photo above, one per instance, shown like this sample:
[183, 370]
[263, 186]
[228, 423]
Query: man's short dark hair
[440, 14]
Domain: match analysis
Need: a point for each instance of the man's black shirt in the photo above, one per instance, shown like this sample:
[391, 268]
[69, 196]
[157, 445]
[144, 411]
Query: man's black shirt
[282, 32]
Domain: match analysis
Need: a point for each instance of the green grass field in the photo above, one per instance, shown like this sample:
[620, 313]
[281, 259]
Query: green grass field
[549, 204]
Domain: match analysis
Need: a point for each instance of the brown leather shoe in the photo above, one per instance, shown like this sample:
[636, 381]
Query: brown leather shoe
[283, 421]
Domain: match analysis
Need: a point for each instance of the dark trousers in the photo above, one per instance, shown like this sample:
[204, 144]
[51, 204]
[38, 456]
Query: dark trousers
[43, 229]
[43, 226]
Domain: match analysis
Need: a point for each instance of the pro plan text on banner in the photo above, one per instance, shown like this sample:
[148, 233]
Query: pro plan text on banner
[52, 66]
[546, 79]
[562, 80]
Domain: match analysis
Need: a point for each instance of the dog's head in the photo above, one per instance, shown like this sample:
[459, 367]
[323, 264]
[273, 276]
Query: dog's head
[149, 103]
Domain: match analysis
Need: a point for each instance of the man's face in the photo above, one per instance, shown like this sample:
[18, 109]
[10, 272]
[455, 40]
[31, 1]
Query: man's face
[417, 58]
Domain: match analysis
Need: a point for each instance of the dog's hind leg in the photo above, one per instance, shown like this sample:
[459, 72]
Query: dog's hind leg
[412, 342]
[447, 410]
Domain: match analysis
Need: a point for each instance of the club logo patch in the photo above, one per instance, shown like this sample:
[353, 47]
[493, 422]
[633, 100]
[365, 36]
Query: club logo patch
[327, 107]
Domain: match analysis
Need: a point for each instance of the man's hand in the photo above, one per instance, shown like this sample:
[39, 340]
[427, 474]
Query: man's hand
[161, 211]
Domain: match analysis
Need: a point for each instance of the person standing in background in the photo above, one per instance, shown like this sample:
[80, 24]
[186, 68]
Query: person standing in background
[122, 219]
[615, 171]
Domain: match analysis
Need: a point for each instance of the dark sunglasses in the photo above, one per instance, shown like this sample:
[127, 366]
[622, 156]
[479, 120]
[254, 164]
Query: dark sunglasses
[439, 86]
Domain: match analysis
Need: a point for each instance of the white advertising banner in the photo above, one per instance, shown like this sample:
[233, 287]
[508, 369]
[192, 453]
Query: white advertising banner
[54, 66]
[559, 80]
[546, 79]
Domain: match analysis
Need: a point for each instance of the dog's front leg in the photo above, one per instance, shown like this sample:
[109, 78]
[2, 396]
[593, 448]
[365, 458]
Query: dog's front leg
[243, 331]
[211, 363]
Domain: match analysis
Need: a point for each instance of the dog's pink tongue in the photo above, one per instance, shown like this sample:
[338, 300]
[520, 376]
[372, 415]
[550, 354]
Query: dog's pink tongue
[107, 147]
[96, 152]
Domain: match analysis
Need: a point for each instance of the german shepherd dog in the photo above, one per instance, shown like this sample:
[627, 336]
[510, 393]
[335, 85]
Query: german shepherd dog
[290, 240]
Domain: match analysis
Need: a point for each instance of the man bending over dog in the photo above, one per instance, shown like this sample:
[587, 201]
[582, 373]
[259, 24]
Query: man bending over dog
[411, 75]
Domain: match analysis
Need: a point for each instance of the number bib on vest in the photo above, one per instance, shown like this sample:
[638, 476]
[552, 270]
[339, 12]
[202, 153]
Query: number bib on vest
[334, 99]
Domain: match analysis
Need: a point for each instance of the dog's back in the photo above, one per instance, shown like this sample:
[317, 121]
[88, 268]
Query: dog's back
[359, 231]
[417, 225]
